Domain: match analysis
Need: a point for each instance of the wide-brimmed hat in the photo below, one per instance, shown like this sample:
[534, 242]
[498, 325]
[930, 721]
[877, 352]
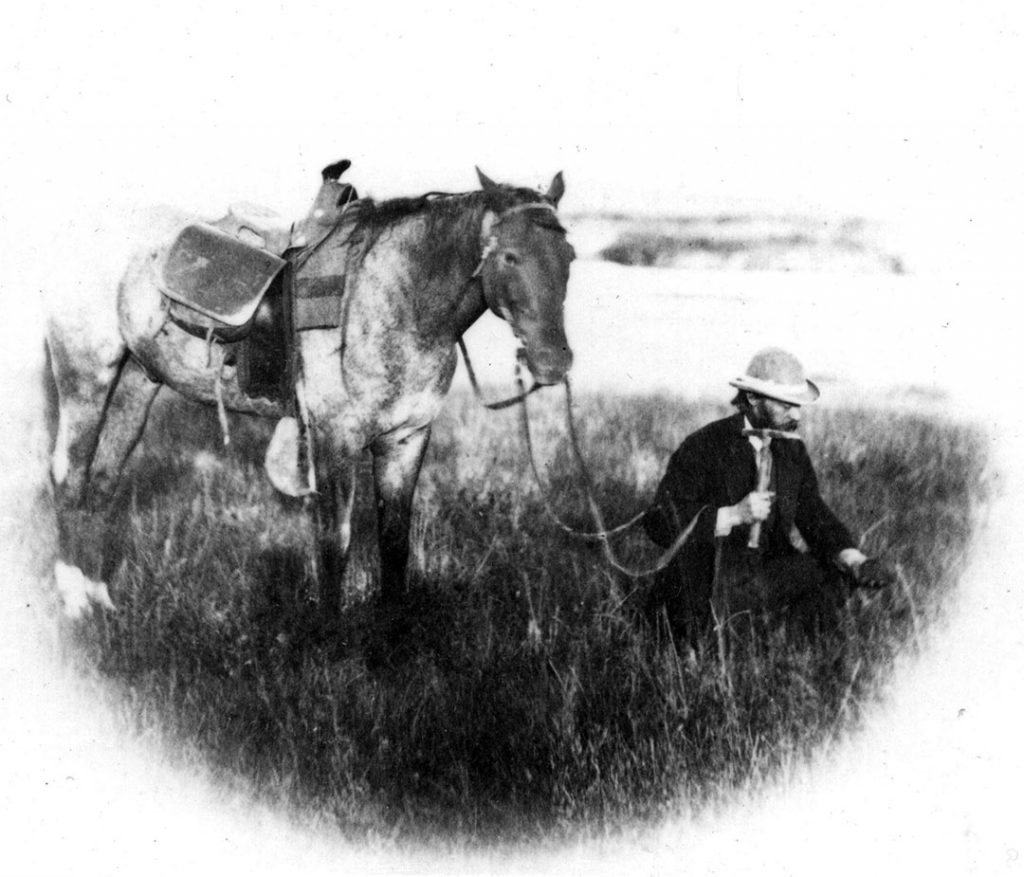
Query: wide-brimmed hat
[777, 374]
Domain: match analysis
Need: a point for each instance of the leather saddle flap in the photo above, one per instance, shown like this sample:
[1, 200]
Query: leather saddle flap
[217, 275]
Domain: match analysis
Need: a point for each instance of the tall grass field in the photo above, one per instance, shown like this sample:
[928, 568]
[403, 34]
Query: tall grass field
[530, 698]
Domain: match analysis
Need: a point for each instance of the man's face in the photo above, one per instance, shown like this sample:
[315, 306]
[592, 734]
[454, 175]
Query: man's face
[768, 413]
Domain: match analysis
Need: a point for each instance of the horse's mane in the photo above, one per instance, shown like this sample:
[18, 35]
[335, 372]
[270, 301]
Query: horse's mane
[451, 218]
[371, 214]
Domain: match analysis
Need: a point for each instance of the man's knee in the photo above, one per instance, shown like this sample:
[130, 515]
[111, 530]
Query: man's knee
[793, 578]
[818, 597]
[684, 606]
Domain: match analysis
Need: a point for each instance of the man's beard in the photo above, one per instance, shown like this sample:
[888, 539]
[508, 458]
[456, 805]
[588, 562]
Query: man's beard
[762, 420]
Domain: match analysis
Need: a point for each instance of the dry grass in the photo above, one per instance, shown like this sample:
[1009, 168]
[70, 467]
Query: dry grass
[530, 700]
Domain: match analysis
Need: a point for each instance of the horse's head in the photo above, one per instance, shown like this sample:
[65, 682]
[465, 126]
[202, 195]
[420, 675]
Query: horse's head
[525, 272]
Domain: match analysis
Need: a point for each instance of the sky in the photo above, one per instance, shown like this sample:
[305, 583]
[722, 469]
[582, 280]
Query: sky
[880, 109]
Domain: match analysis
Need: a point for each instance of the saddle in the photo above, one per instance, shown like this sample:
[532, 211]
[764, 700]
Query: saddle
[230, 281]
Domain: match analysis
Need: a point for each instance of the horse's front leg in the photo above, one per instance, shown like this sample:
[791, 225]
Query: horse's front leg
[332, 515]
[396, 467]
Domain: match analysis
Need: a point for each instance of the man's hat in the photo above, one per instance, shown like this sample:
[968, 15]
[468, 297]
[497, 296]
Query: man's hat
[777, 374]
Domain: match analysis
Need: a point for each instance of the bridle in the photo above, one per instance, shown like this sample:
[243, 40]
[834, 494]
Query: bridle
[602, 534]
[490, 239]
[489, 245]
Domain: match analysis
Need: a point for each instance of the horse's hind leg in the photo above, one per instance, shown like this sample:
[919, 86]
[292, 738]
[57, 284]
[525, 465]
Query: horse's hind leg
[100, 424]
[85, 366]
[84, 375]
[123, 425]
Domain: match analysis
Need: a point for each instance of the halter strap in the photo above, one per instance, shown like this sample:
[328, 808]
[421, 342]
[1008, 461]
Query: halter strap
[491, 244]
[529, 205]
[489, 247]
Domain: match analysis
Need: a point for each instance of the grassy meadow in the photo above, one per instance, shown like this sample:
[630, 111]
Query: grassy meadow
[531, 699]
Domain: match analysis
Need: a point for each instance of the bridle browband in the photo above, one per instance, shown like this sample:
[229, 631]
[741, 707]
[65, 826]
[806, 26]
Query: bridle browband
[490, 239]
[490, 245]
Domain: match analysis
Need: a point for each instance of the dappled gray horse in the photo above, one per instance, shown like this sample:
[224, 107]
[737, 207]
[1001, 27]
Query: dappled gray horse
[416, 274]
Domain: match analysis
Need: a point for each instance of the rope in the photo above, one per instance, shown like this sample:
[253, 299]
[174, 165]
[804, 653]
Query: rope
[572, 531]
[603, 533]
[666, 557]
[493, 406]
[218, 392]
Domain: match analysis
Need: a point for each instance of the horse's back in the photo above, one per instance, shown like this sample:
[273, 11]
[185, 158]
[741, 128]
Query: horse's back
[87, 264]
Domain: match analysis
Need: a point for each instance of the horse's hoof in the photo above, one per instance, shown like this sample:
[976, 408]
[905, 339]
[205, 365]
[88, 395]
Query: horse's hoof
[77, 591]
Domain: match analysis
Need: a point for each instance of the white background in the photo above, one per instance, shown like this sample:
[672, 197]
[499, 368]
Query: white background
[904, 112]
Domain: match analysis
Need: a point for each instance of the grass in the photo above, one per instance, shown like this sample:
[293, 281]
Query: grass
[531, 700]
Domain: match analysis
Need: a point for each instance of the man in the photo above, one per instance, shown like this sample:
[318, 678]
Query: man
[749, 482]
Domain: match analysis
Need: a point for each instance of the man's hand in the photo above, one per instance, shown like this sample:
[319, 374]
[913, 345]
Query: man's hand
[874, 573]
[753, 507]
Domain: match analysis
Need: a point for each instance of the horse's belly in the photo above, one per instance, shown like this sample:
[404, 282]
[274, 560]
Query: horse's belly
[193, 366]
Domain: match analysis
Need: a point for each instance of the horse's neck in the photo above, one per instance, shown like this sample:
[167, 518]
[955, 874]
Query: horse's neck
[448, 299]
[470, 306]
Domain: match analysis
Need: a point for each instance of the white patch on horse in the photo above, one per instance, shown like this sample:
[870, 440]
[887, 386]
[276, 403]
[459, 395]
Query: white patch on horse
[345, 533]
[77, 591]
[394, 479]
[59, 461]
[207, 464]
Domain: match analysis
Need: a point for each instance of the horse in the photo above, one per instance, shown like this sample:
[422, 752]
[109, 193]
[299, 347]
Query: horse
[416, 273]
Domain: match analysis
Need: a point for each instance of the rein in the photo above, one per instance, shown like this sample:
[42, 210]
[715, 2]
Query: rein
[602, 534]
[490, 245]
[528, 441]
[493, 406]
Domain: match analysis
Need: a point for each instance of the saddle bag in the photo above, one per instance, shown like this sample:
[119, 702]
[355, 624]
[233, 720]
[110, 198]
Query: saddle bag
[214, 282]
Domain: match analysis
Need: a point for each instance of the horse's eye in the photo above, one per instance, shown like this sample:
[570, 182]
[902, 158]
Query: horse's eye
[510, 259]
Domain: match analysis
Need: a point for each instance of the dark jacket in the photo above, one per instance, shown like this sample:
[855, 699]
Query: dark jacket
[715, 467]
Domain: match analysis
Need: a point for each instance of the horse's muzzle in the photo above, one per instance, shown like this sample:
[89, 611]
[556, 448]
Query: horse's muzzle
[549, 365]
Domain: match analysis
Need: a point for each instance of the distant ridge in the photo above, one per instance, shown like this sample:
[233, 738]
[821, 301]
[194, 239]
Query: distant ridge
[737, 241]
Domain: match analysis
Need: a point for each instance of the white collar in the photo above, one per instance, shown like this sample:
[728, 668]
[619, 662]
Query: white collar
[755, 441]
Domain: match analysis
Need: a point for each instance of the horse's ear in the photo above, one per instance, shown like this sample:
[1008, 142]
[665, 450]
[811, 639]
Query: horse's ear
[556, 190]
[486, 183]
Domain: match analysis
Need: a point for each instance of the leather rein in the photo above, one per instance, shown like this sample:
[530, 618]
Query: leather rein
[602, 533]
[490, 245]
